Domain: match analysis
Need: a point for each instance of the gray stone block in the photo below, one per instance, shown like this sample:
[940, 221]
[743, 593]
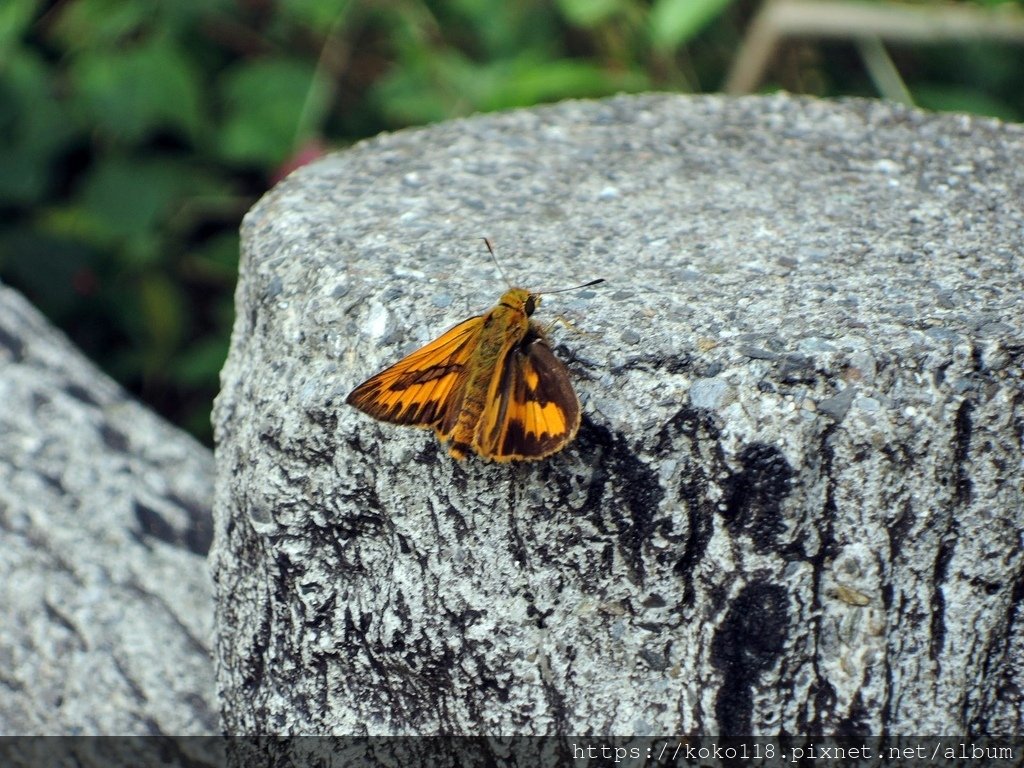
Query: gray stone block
[105, 522]
[822, 535]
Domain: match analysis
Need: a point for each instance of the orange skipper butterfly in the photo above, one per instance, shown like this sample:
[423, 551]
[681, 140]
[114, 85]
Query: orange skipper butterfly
[490, 385]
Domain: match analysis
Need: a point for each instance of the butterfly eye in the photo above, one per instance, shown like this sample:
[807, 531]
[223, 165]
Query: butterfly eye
[531, 304]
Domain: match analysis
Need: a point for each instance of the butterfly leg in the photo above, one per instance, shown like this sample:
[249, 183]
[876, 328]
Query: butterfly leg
[563, 320]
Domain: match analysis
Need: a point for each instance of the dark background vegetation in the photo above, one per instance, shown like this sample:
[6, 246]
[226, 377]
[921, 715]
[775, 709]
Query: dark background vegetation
[134, 134]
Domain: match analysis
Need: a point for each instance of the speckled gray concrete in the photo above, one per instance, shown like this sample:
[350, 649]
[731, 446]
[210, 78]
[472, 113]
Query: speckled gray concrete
[795, 502]
[105, 599]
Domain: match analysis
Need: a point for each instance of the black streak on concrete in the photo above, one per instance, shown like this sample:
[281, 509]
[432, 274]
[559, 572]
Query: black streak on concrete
[856, 724]
[961, 450]
[634, 489]
[689, 425]
[754, 495]
[745, 646]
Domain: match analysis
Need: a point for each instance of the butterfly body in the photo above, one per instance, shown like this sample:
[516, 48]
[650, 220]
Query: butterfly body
[491, 385]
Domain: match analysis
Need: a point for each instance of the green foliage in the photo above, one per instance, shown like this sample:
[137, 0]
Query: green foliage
[264, 103]
[673, 22]
[134, 134]
[591, 13]
[128, 95]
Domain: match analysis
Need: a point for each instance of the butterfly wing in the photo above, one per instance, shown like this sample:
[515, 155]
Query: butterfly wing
[532, 410]
[420, 389]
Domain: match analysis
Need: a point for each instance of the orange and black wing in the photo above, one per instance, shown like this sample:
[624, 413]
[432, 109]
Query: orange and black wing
[532, 410]
[419, 389]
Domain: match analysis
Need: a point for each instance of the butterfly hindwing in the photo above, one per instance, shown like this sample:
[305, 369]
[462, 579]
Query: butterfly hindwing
[532, 408]
[419, 389]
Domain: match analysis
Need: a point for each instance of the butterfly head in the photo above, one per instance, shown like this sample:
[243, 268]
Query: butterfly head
[521, 299]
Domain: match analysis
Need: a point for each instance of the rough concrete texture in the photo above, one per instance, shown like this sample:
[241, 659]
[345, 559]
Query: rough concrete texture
[794, 504]
[105, 522]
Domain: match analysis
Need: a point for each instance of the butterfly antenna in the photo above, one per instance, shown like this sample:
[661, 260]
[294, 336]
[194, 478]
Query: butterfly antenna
[501, 271]
[574, 288]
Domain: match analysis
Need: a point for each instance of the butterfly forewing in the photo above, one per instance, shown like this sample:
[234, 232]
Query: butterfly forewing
[419, 389]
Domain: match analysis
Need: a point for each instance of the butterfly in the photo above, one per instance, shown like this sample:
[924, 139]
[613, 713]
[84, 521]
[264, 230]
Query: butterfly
[491, 385]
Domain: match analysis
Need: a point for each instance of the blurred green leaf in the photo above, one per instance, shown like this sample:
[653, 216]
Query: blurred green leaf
[265, 105]
[997, 66]
[73, 222]
[163, 315]
[948, 98]
[131, 93]
[589, 13]
[127, 197]
[674, 22]
[452, 84]
[200, 364]
[99, 24]
[185, 18]
[15, 18]
[216, 259]
[320, 15]
[196, 420]
[527, 82]
[22, 179]
[34, 129]
[54, 272]
[494, 31]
